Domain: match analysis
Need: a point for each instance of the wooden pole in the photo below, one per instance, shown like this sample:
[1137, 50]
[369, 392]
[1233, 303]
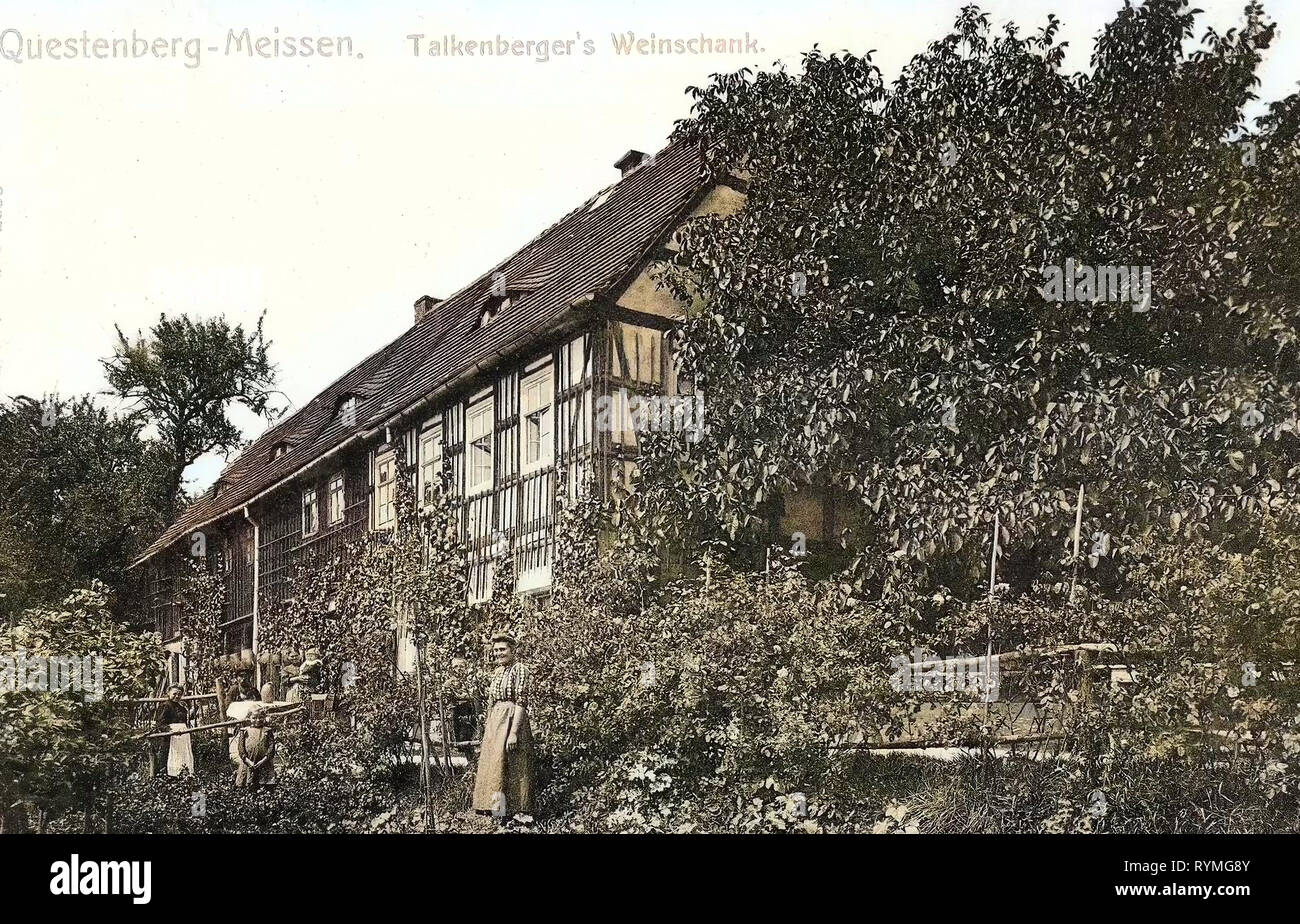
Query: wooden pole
[442, 709]
[229, 723]
[222, 706]
[144, 701]
[921, 743]
[1085, 656]
[424, 739]
[1078, 534]
[993, 556]
[425, 780]
[442, 722]
[988, 621]
[1012, 657]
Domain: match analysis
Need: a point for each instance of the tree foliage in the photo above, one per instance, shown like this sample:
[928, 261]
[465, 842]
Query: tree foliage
[920, 369]
[184, 376]
[874, 323]
[60, 749]
[82, 492]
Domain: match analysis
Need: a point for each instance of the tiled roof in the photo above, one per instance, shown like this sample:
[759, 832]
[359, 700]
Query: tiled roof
[585, 253]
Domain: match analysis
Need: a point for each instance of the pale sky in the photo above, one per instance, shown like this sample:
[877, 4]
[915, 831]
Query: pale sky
[331, 192]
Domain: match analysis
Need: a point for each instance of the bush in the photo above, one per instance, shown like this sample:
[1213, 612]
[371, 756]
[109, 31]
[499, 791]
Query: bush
[327, 781]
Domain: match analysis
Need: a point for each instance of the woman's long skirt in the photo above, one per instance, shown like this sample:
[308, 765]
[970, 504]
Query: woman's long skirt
[180, 753]
[503, 782]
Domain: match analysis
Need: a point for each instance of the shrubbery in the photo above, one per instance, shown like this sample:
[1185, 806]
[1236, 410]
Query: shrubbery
[327, 782]
[61, 749]
[918, 379]
[738, 701]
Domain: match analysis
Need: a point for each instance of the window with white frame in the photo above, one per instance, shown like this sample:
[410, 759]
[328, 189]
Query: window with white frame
[347, 412]
[478, 447]
[430, 460]
[385, 489]
[310, 513]
[536, 412]
[337, 500]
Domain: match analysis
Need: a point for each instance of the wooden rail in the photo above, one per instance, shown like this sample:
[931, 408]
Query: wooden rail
[146, 700]
[270, 712]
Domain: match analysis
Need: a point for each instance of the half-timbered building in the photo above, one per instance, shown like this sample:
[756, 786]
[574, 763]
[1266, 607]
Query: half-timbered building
[498, 385]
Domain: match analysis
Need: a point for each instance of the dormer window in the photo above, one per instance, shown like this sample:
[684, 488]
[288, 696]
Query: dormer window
[494, 307]
[347, 410]
[278, 450]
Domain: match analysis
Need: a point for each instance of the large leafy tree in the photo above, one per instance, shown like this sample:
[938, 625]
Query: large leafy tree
[185, 376]
[875, 321]
[83, 494]
[60, 748]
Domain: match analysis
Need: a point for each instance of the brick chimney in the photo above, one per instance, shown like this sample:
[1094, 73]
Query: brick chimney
[631, 162]
[424, 306]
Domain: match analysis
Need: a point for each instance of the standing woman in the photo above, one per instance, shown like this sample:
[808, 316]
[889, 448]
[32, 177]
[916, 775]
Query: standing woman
[173, 716]
[503, 783]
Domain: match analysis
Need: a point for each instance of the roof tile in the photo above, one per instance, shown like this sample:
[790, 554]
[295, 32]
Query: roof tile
[586, 251]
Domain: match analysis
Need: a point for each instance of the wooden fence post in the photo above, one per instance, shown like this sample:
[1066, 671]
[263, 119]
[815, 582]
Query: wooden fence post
[222, 706]
[1084, 658]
